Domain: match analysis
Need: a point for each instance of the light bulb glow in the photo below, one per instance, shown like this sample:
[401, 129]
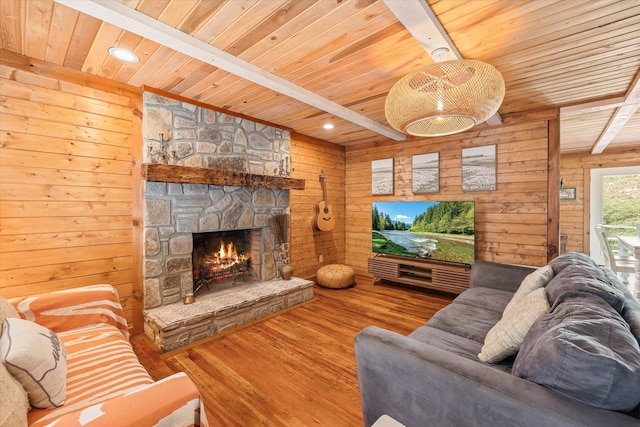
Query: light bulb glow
[123, 54]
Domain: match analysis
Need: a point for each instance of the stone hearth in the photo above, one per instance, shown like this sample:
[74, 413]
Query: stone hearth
[175, 325]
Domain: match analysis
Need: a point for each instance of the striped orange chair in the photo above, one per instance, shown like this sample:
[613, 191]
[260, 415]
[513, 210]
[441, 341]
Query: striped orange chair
[105, 383]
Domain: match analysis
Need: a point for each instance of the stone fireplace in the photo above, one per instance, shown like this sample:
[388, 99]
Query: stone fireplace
[236, 191]
[174, 212]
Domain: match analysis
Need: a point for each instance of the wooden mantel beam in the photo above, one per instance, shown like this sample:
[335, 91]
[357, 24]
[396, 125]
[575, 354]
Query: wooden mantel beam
[188, 175]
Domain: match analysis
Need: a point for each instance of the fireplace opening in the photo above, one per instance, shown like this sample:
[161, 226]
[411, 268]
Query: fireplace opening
[222, 257]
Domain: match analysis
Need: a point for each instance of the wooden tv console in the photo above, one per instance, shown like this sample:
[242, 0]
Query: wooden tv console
[450, 278]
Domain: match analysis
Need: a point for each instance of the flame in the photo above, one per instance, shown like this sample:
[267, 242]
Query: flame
[225, 257]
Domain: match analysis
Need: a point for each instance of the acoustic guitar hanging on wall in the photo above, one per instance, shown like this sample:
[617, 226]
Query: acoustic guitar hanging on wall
[324, 220]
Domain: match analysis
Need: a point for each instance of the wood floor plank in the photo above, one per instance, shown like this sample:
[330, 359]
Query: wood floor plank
[297, 367]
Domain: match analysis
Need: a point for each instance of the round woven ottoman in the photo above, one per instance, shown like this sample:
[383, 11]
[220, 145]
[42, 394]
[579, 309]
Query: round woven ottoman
[335, 276]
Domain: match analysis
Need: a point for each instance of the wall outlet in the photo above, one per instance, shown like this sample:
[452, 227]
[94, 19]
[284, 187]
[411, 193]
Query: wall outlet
[321, 258]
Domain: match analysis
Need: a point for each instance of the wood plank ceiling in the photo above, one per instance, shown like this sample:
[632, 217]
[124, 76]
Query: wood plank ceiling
[582, 56]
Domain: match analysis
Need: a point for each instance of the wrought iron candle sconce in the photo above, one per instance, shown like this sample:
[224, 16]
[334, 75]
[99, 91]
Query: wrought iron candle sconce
[283, 169]
[163, 155]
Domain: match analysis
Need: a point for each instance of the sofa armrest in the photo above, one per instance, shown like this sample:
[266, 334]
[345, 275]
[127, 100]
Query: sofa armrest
[173, 401]
[418, 384]
[498, 275]
[69, 309]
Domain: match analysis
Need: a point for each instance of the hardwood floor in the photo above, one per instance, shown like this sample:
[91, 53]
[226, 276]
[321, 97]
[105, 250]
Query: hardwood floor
[297, 367]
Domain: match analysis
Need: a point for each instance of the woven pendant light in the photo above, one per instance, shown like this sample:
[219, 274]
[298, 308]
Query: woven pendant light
[444, 98]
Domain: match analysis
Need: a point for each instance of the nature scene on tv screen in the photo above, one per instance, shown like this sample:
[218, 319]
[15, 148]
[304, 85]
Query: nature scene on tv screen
[441, 231]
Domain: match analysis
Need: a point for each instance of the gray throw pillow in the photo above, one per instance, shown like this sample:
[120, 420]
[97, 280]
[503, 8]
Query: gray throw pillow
[571, 258]
[584, 350]
[589, 279]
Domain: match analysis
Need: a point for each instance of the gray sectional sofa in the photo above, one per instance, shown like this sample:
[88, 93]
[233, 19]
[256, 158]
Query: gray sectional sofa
[578, 364]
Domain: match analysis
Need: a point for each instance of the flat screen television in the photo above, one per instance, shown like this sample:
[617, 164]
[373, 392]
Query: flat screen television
[437, 231]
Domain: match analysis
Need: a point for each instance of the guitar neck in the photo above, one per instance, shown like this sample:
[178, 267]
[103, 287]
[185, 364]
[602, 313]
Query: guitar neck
[324, 190]
[323, 181]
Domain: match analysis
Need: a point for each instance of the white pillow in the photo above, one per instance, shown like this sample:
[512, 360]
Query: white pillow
[535, 280]
[506, 336]
[36, 357]
[14, 403]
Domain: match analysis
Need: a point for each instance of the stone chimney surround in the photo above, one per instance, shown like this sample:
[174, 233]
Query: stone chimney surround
[208, 171]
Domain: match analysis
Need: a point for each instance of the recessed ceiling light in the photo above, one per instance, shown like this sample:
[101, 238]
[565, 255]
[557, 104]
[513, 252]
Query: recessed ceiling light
[123, 54]
[328, 126]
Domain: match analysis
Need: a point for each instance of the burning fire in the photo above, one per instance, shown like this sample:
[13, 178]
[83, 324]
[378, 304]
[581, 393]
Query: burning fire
[226, 257]
[216, 265]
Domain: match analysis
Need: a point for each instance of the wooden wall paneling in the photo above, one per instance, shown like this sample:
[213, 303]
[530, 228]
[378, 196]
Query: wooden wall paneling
[43, 240]
[553, 190]
[119, 279]
[512, 222]
[17, 276]
[575, 169]
[310, 157]
[586, 210]
[66, 142]
[137, 216]
[572, 211]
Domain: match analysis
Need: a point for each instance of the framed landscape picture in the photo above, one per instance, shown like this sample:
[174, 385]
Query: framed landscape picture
[382, 176]
[425, 177]
[479, 168]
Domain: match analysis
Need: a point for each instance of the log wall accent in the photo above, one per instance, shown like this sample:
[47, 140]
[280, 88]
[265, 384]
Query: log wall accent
[512, 223]
[66, 142]
[310, 157]
[575, 169]
[191, 175]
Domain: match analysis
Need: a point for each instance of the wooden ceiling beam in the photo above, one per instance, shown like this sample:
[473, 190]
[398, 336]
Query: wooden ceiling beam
[616, 123]
[424, 26]
[620, 117]
[591, 107]
[422, 23]
[135, 22]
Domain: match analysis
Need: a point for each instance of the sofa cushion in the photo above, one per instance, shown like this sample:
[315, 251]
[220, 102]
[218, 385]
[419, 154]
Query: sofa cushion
[72, 308]
[101, 365]
[537, 279]
[583, 349]
[505, 338]
[36, 357]
[577, 278]
[496, 275]
[445, 341]
[14, 402]
[487, 298]
[466, 321]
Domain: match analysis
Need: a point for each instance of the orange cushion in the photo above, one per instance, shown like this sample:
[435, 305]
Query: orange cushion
[100, 365]
[73, 308]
